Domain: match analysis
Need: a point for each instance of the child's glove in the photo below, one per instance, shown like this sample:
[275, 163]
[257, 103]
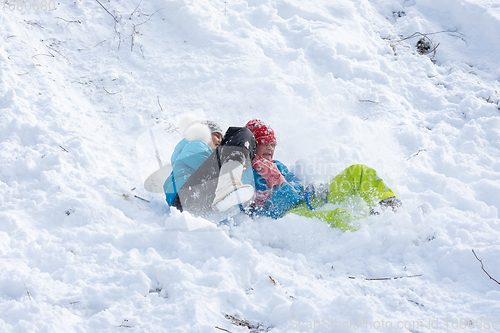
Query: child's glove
[319, 189]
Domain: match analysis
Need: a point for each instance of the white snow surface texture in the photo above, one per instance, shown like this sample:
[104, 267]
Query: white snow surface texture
[339, 83]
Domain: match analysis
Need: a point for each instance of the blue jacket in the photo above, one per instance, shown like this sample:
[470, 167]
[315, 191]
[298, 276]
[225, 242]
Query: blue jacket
[284, 196]
[186, 158]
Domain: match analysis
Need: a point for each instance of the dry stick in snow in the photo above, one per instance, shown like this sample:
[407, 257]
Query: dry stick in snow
[159, 103]
[51, 48]
[482, 267]
[435, 33]
[111, 92]
[131, 14]
[123, 324]
[217, 327]
[389, 278]
[40, 54]
[133, 37]
[77, 21]
[138, 197]
[273, 280]
[100, 43]
[27, 292]
[150, 16]
[114, 18]
[421, 150]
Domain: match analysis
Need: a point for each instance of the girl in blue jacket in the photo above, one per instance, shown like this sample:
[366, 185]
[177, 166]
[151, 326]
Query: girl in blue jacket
[200, 140]
[279, 192]
[208, 179]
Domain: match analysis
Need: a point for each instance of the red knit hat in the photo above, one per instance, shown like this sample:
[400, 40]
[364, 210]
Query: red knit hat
[263, 133]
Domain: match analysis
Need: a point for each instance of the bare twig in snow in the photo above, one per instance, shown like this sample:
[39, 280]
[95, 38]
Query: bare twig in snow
[368, 101]
[99, 43]
[418, 152]
[123, 324]
[138, 197]
[135, 10]
[159, 103]
[388, 278]
[27, 292]
[110, 92]
[133, 37]
[273, 280]
[119, 39]
[425, 45]
[150, 16]
[34, 23]
[217, 327]
[482, 267]
[127, 198]
[74, 21]
[252, 326]
[43, 54]
[63, 148]
[53, 49]
[114, 18]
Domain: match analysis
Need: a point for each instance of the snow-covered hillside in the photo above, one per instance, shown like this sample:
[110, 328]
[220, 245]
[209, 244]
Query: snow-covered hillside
[338, 80]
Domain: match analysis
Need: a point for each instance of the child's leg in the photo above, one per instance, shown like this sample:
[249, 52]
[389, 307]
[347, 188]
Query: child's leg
[355, 180]
[339, 218]
[358, 179]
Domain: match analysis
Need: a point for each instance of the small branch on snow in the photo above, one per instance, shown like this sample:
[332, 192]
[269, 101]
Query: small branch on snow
[27, 292]
[252, 326]
[119, 39]
[151, 16]
[114, 18]
[368, 101]
[425, 45]
[110, 92]
[217, 327]
[127, 198]
[159, 103]
[40, 54]
[461, 35]
[273, 280]
[482, 267]
[138, 197]
[76, 21]
[412, 301]
[135, 10]
[133, 37]
[276, 283]
[99, 43]
[123, 325]
[389, 278]
[418, 152]
[63, 148]
[53, 49]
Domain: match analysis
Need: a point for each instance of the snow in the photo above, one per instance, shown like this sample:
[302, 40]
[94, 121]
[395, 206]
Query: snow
[81, 252]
